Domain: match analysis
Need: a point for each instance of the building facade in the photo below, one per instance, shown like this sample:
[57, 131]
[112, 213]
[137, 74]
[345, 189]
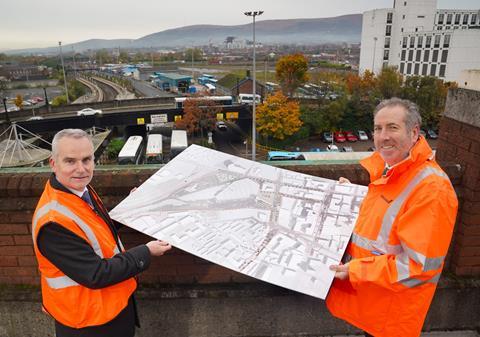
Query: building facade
[419, 39]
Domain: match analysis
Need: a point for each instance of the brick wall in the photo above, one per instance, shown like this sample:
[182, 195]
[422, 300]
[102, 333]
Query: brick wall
[19, 193]
[459, 142]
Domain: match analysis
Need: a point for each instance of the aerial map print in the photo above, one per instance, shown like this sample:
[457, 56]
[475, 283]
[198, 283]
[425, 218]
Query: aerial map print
[276, 225]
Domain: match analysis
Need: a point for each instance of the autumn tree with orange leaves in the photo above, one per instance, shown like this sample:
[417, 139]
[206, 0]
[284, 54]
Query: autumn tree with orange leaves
[199, 114]
[291, 72]
[277, 117]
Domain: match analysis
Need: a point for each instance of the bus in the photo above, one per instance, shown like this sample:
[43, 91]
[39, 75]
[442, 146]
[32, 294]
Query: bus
[248, 99]
[131, 152]
[219, 100]
[178, 142]
[153, 153]
[283, 155]
[210, 87]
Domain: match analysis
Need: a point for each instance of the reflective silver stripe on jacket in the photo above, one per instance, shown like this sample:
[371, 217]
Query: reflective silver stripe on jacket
[65, 281]
[403, 253]
[60, 282]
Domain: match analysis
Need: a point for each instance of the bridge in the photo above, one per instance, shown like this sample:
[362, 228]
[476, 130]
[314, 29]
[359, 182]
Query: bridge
[129, 117]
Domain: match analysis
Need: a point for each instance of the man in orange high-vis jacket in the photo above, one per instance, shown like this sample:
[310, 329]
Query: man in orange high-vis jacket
[87, 277]
[398, 246]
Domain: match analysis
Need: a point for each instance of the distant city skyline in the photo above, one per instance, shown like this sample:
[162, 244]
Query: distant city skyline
[31, 24]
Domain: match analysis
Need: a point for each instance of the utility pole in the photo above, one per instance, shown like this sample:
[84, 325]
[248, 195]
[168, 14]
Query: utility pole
[63, 68]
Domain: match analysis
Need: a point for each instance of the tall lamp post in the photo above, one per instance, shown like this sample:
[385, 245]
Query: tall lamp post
[63, 68]
[254, 90]
[374, 50]
[7, 118]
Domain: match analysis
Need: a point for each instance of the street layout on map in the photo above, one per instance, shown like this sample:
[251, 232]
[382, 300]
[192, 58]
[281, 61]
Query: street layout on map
[276, 225]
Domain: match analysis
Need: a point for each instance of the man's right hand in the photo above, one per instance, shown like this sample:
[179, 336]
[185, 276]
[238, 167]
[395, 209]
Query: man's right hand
[343, 180]
[158, 247]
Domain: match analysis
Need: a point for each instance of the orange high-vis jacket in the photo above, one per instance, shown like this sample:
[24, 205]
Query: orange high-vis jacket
[398, 246]
[67, 301]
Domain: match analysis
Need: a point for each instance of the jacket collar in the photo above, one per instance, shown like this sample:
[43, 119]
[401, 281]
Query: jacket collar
[419, 153]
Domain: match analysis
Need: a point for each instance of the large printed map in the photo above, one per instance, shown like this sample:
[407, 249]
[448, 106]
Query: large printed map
[276, 225]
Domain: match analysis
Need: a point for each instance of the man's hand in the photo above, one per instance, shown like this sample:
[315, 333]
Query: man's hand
[158, 247]
[343, 180]
[341, 271]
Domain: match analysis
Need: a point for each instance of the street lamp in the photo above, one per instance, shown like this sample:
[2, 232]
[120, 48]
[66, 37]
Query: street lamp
[254, 90]
[63, 68]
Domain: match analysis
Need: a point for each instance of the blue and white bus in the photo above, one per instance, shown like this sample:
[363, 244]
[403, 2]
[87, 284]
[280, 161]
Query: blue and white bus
[283, 155]
[131, 152]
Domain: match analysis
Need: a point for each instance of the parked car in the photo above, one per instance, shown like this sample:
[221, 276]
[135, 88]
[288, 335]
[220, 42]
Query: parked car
[332, 148]
[89, 111]
[346, 149]
[423, 133]
[350, 136]
[35, 118]
[362, 135]
[339, 137]
[327, 137]
[431, 134]
[221, 126]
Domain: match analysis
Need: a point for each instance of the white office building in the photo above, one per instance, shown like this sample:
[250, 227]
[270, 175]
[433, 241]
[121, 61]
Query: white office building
[420, 39]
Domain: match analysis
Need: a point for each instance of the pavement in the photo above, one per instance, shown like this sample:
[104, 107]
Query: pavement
[458, 333]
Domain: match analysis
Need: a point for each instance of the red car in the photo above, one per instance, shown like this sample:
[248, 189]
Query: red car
[350, 136]
[339, 137]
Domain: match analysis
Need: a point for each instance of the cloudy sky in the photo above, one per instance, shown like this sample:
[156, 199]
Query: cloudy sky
[42, 23]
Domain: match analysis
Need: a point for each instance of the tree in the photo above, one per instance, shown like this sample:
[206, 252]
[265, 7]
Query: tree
[389, 82]
[277, 117]
[197, 55]
[199, 114]
[18, 101]
[430, 94]
[291, 72]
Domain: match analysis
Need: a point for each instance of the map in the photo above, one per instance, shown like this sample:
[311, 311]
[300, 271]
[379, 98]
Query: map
[279, 226]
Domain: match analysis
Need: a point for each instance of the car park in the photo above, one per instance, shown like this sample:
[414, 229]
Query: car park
[88, 112]
[350, 136]
[431, 134]
[339, 137]
[327, 137]
[362, 135]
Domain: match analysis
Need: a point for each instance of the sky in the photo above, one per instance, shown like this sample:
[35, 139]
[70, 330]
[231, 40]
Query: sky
[42, 23]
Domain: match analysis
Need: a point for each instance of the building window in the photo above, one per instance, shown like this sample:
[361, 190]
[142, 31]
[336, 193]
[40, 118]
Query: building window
[389, 17]
[388, 31]
[424, 69]
[442, 70]
[457, 18]
[421, 16]
[436, 44]
[473, 19]
[440, 19]
[444, 56]
[428, 41]
[403, 17]
[385, 65]
[419, 54]
[387, 42]
[410, 55]
[465, 19]
[401, 29]
[404, 42]
[446, 41]
[404, 53]
[433, 69]
[435, 55]
[409, 68]
[426, 55]
[404, 3]
[420, 42]
[385, 54]
[402, 67]
[416, 69]
[449, 19]
[412, 41]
